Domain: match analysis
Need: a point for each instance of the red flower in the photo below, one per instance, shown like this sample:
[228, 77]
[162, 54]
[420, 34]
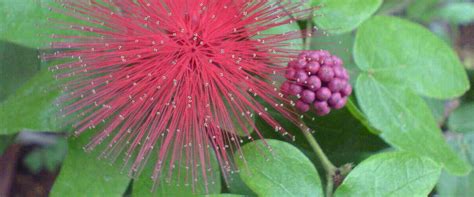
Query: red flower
[164, 77]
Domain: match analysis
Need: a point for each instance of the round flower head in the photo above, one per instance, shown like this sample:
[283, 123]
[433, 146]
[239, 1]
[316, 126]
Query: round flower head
[172, 80]
[319, 79]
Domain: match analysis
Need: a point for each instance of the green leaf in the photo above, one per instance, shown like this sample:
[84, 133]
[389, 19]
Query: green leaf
[285, 171]
[237, 186]
[27, 96]
[17, 65]
[27, 22]
[462, 120]
[306, 4]
[406, 122]
[296, 44]
[457, 13]
[21, 21]
[391, 174]
[82, 174]
[450, 185]
[422, 10]
[401, 58]
[340, 16]
[180, 182]
[32, 107]
[437, 109]
[397, 51]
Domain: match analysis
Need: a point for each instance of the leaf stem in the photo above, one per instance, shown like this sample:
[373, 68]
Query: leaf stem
[326, 163]
[329, 186]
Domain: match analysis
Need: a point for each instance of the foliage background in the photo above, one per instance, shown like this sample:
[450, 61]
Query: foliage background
[409, 129]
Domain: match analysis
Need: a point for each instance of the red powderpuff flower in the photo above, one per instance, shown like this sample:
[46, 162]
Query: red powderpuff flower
[174, 79]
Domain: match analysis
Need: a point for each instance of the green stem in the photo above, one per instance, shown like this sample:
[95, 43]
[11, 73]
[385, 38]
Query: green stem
[326, 163]
[329, 186]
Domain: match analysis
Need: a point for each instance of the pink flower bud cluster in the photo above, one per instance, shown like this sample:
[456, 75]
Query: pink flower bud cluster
[317, 79]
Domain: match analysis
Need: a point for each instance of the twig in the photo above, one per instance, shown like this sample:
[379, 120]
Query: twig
[326, 163]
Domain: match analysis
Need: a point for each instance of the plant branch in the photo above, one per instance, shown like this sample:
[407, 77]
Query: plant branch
[329, 186]
[326, 163]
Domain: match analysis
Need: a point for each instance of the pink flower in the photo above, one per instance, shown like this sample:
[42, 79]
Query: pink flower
[166, 77]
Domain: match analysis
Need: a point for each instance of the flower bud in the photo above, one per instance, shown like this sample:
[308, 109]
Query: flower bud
[317, 79]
